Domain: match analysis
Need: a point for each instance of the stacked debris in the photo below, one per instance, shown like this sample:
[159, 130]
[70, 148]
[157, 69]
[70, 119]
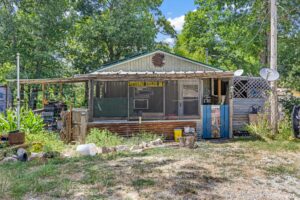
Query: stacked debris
[51, 115]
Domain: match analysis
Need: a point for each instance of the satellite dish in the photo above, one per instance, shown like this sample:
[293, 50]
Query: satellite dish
[269, 74]
[238, 72]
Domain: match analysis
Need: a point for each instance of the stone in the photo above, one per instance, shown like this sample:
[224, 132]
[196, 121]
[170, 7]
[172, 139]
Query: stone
[182, 141]
[22, 155]
[137, 150]
[156, 142]
[35, 156]
[122, 148]
[190, 142]
[136, 147]
[9, 159]
[51, 154]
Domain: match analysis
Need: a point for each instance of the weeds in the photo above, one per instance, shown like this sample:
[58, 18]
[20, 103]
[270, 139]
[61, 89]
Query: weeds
[262, 129]
[105, 138]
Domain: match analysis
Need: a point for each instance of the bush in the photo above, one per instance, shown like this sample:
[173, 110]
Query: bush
[289, 103]
[44, 141]
[29, 122]
[262, 129]
[104, 138]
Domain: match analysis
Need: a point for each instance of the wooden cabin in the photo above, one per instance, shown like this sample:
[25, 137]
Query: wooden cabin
[159, 92]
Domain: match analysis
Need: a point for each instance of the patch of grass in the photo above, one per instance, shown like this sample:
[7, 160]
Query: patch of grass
[139, 183]
[282, 170]
[105, 138]
[269, 146]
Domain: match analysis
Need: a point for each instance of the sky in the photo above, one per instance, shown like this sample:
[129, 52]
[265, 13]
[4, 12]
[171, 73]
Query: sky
[174, 10]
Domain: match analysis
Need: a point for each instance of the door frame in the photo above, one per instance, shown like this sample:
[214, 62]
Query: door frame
[181, 83]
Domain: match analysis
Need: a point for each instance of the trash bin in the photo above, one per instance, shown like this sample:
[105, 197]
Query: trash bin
[177, 134]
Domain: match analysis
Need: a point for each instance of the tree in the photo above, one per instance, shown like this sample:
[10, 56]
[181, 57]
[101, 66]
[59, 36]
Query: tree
[107, 31]
[37, 30]
[236, 35]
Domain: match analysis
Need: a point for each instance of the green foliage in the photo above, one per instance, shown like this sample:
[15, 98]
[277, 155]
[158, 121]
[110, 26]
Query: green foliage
[44, 141]
[262, 129]
[289, 103]
[235, 33]
[29, 122]
[105, 138]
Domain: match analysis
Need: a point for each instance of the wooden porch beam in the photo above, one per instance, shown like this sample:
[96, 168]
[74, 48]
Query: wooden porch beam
[91, 100]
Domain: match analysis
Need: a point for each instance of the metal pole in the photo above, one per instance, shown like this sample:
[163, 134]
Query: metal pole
[273, 65]
[18, 91]
[206, 55]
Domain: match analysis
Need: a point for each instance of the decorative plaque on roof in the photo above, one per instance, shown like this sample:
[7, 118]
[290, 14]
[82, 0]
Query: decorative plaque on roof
[158, 60]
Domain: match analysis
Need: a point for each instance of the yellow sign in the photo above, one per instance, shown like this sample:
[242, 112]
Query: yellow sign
[146, 84]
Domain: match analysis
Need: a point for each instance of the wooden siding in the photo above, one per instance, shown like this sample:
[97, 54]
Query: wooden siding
[241, 110]
[160, 127]
[172, 63]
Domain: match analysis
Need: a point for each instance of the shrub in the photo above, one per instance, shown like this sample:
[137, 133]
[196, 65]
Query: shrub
[29, 122]
[44, 141]
[104, 138]
[262, 129]
[288, 104]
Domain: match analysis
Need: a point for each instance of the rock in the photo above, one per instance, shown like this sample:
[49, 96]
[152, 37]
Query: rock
[101, 150]
[9, 159]
[22, 155]
[190, 141]
[51, 154]
[136, 147]
[137, 150]
[156, 142]
[143, 145]
[122, 148]
[35, 156]
[182, 141]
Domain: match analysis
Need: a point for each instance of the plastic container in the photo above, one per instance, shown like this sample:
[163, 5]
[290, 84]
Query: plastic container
[87, 149]
[177, 134]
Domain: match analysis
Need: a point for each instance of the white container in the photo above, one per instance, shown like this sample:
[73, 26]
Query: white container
[87, 149]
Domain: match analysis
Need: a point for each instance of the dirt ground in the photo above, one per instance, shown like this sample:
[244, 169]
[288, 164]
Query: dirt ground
[231, 170]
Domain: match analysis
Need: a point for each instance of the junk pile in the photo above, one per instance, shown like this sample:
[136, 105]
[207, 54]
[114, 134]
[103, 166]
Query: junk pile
[51, 115]
[13, 149]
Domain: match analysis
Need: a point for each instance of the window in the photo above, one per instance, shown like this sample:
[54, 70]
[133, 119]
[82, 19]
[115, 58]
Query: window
[141, 104]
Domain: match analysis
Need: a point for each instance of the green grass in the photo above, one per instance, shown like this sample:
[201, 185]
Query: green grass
[108, 139]
[102, 175]
[274, 145]
[139, 183]
[282, 170]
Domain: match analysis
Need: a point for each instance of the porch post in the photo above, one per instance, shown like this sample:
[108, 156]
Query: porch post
[91, 100]
[164, 99]
[231, 108]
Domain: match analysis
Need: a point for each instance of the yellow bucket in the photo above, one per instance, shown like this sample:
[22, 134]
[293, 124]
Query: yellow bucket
[177, 134]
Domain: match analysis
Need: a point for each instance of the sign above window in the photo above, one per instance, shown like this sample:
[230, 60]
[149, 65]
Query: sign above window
[146, 84]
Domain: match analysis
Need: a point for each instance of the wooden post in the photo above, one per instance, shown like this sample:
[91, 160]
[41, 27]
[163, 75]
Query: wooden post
[273, 65]
[219, 91]
[61, 91]
[128, 102]
[91, 100]
[164, 99]
[231, 108]
[97, 89]
[43, 93]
